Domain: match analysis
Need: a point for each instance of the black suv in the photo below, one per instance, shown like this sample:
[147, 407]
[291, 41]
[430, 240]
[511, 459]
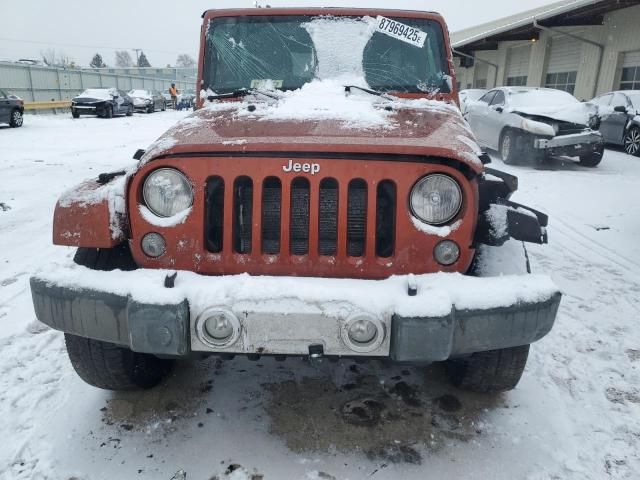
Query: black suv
[11, 109]
[103, 102]
[620, 124]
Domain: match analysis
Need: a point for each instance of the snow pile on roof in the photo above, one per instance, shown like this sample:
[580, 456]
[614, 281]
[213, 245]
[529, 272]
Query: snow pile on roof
[98, 93]
[437, 293]
[140, 94]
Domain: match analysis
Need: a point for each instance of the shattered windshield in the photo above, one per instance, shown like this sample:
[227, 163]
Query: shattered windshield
[285, 52]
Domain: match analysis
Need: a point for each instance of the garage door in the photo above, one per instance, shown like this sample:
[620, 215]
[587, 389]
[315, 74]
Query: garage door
[564, 59]
[630, 79]
[480, 76]
[518, 65]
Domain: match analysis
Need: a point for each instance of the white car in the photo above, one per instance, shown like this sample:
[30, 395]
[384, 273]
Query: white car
[147, 101]
[528, 124]
[468, 96]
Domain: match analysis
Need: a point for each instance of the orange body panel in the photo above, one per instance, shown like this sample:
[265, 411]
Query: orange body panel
[186, 246]
[84, 217]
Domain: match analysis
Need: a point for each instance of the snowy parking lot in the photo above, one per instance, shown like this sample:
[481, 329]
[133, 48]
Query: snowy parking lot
[575, 414]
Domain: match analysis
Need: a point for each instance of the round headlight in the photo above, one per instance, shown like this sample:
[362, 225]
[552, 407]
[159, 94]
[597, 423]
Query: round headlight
[167, 192]
[436, 199]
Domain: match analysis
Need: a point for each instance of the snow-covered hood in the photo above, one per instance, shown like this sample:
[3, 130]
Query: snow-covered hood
[580, 113]
[140, 100]
[90, 100]
[410, 127]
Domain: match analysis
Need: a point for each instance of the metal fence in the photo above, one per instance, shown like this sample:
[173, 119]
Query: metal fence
[36, 83]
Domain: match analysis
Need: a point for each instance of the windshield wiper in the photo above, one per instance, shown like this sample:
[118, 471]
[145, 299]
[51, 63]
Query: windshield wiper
[241, 92]
[347, 89]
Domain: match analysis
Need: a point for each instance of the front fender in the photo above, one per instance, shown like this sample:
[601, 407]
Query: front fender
[92, 214]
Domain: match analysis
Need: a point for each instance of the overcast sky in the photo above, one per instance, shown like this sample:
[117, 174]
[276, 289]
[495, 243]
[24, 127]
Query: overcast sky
[166, 28]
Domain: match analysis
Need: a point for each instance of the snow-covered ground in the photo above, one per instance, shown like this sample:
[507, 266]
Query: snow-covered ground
[575, 415]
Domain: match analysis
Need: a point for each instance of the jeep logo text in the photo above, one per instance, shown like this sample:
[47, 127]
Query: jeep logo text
[311, 168]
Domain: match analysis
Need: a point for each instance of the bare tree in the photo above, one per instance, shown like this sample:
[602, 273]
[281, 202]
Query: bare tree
[123, 59]
[53, 58]
[185, 61]
[49, 56]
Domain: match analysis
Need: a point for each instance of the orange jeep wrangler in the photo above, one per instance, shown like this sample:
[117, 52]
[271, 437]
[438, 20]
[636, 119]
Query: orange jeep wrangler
[325, 199]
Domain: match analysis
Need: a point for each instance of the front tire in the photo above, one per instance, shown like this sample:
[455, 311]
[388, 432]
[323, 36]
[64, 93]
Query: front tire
[519, 148]
[489, 372]
[112, 367]
[75, 114]
[632, 141]
[108, 111]
[106, 365]
[130, 111]
[593, 159]
[16, 119]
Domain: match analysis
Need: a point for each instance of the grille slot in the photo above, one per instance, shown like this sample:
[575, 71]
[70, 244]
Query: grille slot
[566, 128]
[385, 219]
[356, 218]
[271, 214]
[299, 217]
[328, 217]
[215, 214]
[250, 219]
[242, 214]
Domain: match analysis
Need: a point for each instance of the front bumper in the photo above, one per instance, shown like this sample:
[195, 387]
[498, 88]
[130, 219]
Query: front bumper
[451, 315]
[573, 145]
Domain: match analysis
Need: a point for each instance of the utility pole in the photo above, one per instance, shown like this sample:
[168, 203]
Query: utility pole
[137, 50]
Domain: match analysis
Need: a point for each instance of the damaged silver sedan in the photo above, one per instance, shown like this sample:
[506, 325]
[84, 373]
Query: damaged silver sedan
[527, 125]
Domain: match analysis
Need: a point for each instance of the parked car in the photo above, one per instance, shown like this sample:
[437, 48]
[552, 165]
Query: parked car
[11, 109]
[299, 230]
[167, 100]
[529, 124]
[103, 102]
[147, 101]
[620, 119]
[468, 96]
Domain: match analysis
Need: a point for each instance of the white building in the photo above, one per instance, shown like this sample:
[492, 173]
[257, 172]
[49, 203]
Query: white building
[585, 47]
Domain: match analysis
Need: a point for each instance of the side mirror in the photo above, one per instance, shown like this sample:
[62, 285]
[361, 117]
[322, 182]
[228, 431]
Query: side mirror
[620, 109]
[499, 109]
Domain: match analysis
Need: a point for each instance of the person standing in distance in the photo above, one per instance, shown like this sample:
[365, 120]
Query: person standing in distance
[173, 91]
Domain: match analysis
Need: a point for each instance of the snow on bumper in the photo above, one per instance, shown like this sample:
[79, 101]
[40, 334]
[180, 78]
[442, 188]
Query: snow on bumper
[451, 314]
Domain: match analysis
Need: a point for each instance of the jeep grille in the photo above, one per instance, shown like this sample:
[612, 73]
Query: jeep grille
[290, 203]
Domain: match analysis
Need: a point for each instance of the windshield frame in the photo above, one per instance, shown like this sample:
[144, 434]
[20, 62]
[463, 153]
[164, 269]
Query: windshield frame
[452, 95]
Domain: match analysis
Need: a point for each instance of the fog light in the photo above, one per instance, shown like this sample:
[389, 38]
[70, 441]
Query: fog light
[447, 252]
[154, 245]
[363, 333]
[217, 327]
